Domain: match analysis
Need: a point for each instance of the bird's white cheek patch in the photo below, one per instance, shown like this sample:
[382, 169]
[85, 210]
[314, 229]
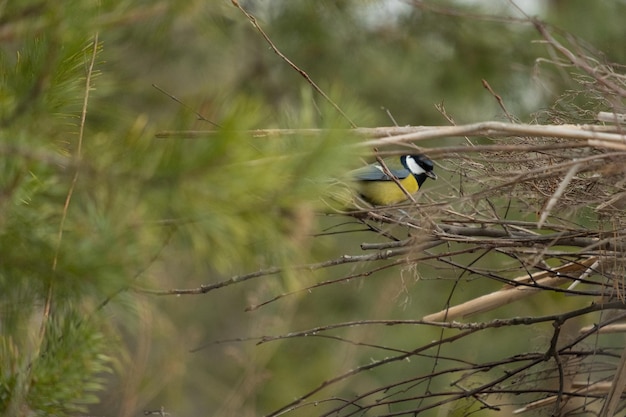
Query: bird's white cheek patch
[413, 166]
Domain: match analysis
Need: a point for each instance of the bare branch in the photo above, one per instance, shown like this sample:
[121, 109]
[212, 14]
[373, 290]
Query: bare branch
[254, 22]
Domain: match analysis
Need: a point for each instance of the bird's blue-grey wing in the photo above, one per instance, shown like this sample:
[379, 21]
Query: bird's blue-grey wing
[376, 173]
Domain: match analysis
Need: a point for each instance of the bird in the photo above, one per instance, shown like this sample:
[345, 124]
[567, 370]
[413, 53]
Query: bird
[377, 188]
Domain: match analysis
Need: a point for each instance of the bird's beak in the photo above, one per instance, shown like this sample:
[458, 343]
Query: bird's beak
[432, 175]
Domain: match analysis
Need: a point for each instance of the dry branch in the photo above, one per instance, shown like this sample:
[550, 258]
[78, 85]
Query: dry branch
[535, 283]
[389, 135]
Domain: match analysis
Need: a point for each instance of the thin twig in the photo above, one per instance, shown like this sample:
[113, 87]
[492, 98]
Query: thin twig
[578, 61]
[499, 100]
[395, 179]
[557, 194]
[70, 192]
[254, 22]
[176, 99]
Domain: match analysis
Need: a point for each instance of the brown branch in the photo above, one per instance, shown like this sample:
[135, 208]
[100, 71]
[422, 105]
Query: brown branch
[494, 237]
[579, 62]
[364, 368]
[540, 281]
[595, 135]
[203, 289]
[499, 100]
[617, 388]
[486, 128]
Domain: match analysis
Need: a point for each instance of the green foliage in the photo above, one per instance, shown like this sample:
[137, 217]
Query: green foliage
[66, 376]
[69, 372]
[230, 199]
[233, 194]
[50, 364]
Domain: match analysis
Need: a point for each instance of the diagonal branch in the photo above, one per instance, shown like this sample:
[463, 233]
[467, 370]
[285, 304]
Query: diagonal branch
[252, 20]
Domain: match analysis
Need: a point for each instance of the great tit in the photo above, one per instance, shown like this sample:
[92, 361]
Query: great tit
[377, 188]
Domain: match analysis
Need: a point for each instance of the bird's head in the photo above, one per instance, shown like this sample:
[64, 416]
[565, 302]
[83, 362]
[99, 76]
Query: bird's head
[419, 165]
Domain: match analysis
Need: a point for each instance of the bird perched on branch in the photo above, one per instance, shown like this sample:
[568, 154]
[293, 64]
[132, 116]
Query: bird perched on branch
[377, 187]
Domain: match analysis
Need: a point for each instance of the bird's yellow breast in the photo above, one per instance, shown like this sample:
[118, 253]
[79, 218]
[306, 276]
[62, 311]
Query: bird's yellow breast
[383, 193]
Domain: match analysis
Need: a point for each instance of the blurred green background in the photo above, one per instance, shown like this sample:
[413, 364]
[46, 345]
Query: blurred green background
[149, 213]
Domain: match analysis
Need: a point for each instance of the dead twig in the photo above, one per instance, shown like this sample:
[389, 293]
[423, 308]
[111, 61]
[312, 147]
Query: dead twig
[306, 76]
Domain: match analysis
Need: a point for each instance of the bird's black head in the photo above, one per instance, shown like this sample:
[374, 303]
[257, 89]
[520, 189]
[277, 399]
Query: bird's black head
[420, 166]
